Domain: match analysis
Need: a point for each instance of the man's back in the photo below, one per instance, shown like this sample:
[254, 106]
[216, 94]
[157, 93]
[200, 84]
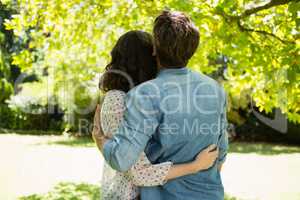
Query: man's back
[192, 110]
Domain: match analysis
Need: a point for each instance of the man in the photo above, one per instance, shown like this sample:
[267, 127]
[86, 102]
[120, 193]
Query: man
[173, 117]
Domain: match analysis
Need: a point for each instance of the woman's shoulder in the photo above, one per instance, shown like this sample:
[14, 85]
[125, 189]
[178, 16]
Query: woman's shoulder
[113, 98]
[115, 93]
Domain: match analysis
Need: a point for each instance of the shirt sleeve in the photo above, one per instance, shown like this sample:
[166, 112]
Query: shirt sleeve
[223, 143]
[143, 173]
[140, 122]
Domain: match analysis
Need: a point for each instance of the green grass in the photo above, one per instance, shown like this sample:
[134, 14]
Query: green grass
[73, 141]
[227, 197]
[57, 139]
[68, 191]
[78, 191]
[75, 191]
[235, 147]
[29, 132]
[262, 148]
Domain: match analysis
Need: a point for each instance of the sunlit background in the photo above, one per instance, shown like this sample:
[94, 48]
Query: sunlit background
[52, 53]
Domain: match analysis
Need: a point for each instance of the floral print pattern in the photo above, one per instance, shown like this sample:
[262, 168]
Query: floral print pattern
[123, 186]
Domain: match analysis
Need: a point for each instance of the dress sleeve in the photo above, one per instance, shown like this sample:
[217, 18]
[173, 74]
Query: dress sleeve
[143, 173]
[112, 112]
[140, 122]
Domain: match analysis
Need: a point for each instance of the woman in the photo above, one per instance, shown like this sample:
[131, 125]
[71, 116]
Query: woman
[132, 64]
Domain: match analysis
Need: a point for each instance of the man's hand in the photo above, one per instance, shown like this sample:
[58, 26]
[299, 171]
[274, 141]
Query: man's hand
[97, 133]
[206, 158]
[220, 166]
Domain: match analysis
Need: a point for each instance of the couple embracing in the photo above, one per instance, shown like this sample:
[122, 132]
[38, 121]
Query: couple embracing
[161, 127]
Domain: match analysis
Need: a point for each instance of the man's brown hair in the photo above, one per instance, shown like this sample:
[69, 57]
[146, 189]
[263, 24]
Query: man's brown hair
[175, 38]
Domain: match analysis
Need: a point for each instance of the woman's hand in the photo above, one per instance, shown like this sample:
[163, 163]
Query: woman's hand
[206, 158]
[97, 133]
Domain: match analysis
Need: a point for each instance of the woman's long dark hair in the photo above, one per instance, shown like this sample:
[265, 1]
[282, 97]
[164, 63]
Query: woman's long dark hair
[131, 63]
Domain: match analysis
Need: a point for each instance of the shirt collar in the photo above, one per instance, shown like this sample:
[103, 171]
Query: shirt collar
[182, 70]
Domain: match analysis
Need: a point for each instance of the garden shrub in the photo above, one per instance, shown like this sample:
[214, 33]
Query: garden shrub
[8, 118]
[37, 106]
[28, 110]
[15, 118]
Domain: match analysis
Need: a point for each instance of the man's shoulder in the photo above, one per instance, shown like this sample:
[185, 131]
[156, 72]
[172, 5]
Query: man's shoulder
[207, 80]
[148, 87]
[203, 77]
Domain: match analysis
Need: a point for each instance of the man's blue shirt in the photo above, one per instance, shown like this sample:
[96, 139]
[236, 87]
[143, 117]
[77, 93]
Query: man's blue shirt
[172, 118]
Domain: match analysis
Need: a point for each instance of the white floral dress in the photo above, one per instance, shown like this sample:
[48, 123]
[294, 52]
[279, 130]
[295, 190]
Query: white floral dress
[123, 186]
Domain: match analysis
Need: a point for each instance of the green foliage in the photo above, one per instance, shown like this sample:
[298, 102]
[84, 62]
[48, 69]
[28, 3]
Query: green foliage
[38, 107]
[28, 109]
[7, 117]
[17, 119]
[69, 191]
[6, 90]
[73, 191]
[262, 148]
[72, 40]
[228, 197]
[5, 86]
[86, 141]
[31, 95]
[30, 132]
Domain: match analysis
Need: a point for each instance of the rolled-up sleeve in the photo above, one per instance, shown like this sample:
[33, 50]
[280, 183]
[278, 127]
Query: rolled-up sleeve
[140, 123]
[223, 144]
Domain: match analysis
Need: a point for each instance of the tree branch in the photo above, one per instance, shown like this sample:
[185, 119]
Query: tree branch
[271, 4]
[244, 29]
[238, 19]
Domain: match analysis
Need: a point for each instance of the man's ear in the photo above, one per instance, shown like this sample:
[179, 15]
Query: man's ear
[154, 53]
[154, 50]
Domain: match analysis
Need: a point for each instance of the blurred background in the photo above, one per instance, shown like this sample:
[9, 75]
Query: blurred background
[52, 53]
